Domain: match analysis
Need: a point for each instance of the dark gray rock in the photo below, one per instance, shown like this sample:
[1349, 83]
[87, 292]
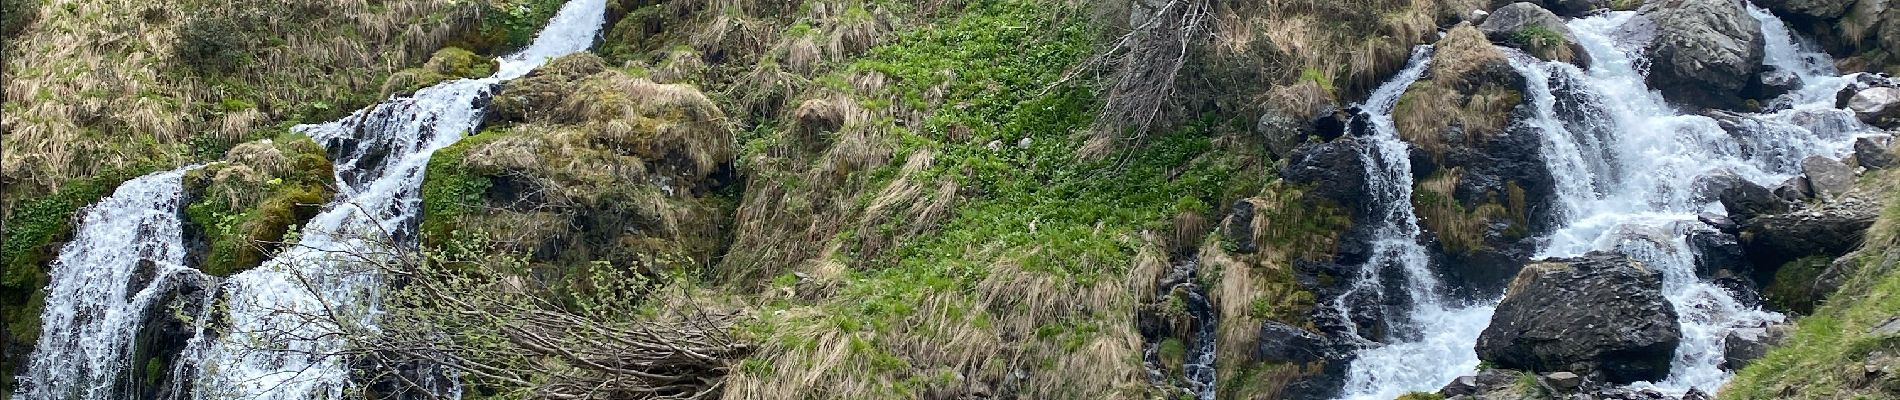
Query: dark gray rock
[1831, 229]
[1518, 24]
[1873, 154]
[1602, 314]
[1716, 252]
[1795, 190]
[1744, 200]
[1564, 380]
[1812, 8]
[1702, 53]
[1745, 345]
[1289, 344]
[1238, 230]
[1835, 275]
[1828, 177]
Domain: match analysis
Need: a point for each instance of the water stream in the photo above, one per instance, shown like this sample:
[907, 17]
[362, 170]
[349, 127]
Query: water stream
[128, 253]
[1624, 162]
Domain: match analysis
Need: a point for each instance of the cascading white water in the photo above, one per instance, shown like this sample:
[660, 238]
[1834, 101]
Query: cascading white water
[127, 253]
[285, 316]
[1437, 350]
[1624, 163]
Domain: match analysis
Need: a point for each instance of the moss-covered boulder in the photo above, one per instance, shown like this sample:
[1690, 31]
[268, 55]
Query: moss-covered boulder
[586, 164]
[241, 208]
[448, 63]
[1536, 31]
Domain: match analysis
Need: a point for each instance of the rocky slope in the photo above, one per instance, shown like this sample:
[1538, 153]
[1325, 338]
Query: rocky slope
[975, 199]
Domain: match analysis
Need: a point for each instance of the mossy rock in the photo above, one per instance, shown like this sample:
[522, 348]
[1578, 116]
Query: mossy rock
[447, 64]
[244, 206]
[587, 164]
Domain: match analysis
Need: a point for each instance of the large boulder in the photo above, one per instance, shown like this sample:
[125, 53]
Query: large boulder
[1875, 153]
[1877, 106]
[1702, 53]
[1566, 8]
[1831, 229]
[1602, 315]
[1827, 177]
[1536, 31]
[1744, 199]
[1745, 345]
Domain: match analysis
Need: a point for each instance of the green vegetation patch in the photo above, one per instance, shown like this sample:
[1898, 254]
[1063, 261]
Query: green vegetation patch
[246, 205]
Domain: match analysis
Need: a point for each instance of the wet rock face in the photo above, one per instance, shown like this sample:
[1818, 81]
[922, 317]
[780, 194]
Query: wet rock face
[1602, 315]
[166, 332]
[1334, 170]
[1703, 53]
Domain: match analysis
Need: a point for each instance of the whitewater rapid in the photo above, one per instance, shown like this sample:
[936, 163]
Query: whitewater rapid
[289, 319]
[1624, 162]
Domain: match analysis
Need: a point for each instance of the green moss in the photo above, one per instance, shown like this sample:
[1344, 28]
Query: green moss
[245, 217]
[449, 190]
[1542, 42]
[1792, 288]
[507, 25]
[447, 63]
[1421, 396]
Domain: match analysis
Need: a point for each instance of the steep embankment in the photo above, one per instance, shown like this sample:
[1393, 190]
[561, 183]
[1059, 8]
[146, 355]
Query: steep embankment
[918, 198]
[1850, 346]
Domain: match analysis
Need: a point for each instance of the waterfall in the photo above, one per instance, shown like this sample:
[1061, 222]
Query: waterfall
[1624, 162]
[1438, 334]
[128, 252]
[286, 317]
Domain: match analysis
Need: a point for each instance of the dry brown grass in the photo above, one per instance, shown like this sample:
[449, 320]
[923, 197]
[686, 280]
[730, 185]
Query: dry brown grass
[959, 344]
[93, 86]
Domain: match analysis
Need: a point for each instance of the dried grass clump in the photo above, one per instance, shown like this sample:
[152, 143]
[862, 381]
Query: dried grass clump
[957, 343]
[1436, 117]
[1461, 54]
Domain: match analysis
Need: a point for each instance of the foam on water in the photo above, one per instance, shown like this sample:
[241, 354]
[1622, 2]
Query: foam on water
[1625, 162]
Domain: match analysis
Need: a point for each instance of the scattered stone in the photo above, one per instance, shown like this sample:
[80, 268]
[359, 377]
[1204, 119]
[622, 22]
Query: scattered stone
[995, 145]
[1873, 154]
[1745, 345]
[1024, 143]
[1564, 380]
[1602, 314]
[1828, 177]
[1795, 190]
[1745, 200]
